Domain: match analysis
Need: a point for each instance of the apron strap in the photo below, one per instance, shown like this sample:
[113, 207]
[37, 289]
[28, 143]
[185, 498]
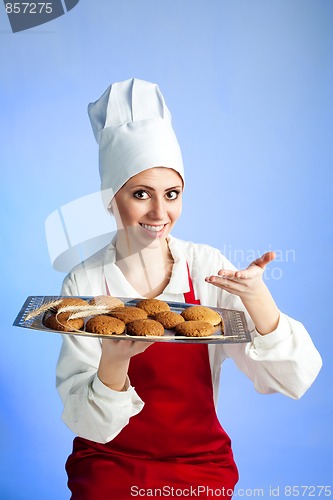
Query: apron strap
[189, 297]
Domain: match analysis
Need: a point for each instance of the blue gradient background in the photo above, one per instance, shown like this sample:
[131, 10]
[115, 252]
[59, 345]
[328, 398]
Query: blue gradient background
[249, 85]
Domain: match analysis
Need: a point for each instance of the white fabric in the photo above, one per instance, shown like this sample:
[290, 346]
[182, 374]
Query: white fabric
[132, 126]
[284, 361]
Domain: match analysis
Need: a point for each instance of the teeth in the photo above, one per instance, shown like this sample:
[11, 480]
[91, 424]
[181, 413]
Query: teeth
[153, 228]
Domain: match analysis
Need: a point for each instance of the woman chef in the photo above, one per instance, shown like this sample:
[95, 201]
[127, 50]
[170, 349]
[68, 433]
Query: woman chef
[144, 413]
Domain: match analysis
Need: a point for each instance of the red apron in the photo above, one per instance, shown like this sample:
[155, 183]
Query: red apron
[174, 447]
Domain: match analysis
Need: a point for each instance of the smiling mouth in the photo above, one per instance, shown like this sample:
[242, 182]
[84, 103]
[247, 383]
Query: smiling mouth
[154, 229]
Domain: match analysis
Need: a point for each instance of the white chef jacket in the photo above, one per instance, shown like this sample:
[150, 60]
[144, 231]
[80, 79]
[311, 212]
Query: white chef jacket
[283, 361]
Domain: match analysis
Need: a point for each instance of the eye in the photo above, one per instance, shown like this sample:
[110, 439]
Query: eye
[141, 195]
[172, 195]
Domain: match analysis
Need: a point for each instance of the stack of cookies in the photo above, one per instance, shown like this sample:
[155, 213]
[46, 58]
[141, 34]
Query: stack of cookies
[149, 317]
[200, 321]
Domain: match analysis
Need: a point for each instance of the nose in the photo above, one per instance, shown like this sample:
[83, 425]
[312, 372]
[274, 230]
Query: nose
[157, 209]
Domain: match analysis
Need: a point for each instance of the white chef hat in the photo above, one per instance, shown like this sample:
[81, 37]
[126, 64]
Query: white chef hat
[132, 126]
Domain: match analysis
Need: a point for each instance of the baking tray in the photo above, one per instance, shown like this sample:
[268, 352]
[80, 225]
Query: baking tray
[235, 326]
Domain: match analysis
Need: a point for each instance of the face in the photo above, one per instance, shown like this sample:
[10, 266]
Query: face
[149, 204]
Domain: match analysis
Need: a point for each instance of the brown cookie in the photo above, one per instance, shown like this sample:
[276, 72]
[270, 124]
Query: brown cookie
[128, 313]
[107, 301]
[201, 313]
[168, 319]
[153, 306]
[145, 327]
[61, 323]
[71, 301]
[105, 325]
[194, 329]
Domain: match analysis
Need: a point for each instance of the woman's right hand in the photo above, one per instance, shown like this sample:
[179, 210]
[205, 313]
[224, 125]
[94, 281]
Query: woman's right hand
[115, 359]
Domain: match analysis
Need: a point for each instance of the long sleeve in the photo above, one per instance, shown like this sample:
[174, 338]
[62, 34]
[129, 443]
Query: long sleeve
[91, 409]
[284, 361]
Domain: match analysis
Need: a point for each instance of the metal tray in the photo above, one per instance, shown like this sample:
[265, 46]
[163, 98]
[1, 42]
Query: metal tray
[235, 326]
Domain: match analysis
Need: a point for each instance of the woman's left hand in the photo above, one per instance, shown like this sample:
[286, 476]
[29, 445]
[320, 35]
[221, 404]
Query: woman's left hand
[246, 283]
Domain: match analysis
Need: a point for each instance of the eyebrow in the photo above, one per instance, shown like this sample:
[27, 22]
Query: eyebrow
[143, 186]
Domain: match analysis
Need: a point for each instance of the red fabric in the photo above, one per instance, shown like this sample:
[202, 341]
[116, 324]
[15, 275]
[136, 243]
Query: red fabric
[174, 447]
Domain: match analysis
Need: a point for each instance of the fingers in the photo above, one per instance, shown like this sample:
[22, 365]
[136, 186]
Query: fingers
[225, 276]
[241, 281]
[250, 271]
[265, 259]
[140, 347]
[226, 273]
[124, 349]
[225, 280]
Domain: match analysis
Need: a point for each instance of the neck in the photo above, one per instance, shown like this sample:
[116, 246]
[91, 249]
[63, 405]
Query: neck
[128, 246]
[148, 268]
